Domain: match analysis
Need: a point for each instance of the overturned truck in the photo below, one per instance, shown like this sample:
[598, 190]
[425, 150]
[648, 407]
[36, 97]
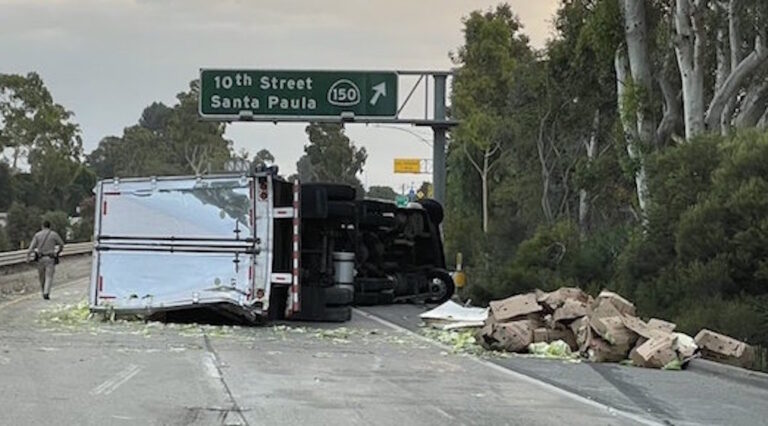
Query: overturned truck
[252, 248]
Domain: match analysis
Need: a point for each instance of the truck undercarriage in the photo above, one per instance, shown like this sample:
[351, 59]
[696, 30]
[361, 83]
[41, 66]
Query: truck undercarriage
[255, 248]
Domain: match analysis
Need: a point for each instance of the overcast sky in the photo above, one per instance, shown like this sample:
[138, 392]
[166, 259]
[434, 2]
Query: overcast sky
[107, 59]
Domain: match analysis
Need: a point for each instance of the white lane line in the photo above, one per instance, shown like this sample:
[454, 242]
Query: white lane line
[519, 376]
[209, 364]
[114, 382]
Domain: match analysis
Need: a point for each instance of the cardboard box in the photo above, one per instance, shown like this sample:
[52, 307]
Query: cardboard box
[572, 309]
[599, 350]
[622, 305]
[515, 306]
[721, 348]
[642, 328]
[513, 336]
[541, 334]
[662, 325]
[580, 329]
[557, 298]
[654, 353]
[548, 336]
[603, 308]
[613, 331]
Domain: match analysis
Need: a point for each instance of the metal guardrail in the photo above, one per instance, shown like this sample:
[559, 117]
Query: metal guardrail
[10, 258]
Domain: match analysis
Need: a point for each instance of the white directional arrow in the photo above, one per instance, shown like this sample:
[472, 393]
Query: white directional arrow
[381, 90]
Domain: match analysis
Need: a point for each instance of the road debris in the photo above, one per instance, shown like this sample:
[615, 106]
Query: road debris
[555, 350]
[601, 329]
[67, 315]
[451, 316]
[459, 341]
[720, 348]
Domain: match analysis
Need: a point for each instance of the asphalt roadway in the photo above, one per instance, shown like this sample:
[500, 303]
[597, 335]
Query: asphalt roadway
[58, 368]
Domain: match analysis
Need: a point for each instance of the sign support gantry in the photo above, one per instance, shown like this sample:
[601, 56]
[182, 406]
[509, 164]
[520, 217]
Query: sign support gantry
[325, 96]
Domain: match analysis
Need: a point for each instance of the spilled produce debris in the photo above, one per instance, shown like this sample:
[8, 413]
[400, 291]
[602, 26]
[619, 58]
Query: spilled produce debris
[570, 324]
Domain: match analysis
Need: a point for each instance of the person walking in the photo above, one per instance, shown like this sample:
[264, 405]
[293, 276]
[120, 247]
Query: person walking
[46, 246]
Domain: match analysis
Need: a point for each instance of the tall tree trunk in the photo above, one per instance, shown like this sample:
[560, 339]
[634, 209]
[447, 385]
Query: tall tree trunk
[484, 180]
[743, 71]
[689, 46]
[721, 74]
[672, 117]
[734, 33]
[484, 171]
[630, 130]
[754, 104]
[734, 43]
[546, 206]
[16, 154]
[584, 196]
[723, 60]
[763, 123]
[640, 66]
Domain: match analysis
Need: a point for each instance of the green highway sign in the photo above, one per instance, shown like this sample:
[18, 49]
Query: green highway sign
[264, 94]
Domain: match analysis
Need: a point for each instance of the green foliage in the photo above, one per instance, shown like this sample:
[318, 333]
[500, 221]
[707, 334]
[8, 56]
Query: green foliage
[6, 187]
[595, 26]
[5, 243]
[381, 192]
[702, 259]
[331, 156]
[263, 158]
[166, 141]
[59, 222]
[553, 257]
[60, 182]
[31, 121]
[23, 222]
[40, 132]
[540, 110]
[83, 230]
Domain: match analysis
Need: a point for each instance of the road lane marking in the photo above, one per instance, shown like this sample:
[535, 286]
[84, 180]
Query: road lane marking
[114, 382]
[209, 364]
[35, 294]
[212, 364]
[519, 376]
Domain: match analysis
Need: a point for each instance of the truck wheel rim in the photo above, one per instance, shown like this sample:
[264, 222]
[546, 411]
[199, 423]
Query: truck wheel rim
[437, 288]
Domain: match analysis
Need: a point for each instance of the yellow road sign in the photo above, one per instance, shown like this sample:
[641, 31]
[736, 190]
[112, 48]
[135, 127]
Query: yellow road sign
[407, 165]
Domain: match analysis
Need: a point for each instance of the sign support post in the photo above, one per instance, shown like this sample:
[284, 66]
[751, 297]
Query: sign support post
[438, 145]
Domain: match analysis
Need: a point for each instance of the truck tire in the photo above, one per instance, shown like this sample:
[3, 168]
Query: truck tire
[314, 205]
[341, 209]
[387, 297]
[441, 282]
[339, 295]
[434, 210]
[366, 299]
[377, 221]
[334, 191]
[373, 285]
[337, 314]
[375, 206]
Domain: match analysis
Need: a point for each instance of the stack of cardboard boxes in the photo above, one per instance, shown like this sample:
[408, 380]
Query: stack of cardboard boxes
[602, 329]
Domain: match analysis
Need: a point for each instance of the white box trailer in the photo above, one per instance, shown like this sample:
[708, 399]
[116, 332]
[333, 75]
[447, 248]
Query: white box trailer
[228, 243]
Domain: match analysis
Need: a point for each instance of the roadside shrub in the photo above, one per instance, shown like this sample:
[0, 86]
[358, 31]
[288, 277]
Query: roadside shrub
[23, 222]
[59, 222]
[738, 318]
[5, 244]
[703, 259]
